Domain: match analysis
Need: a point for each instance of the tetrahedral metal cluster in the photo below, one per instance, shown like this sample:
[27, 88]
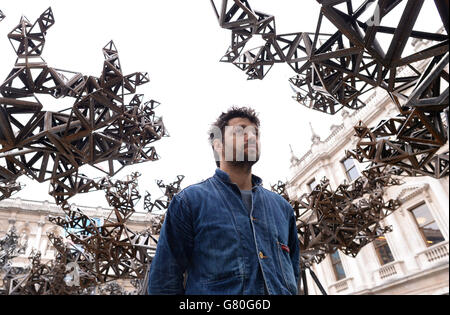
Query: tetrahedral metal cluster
[413, 140]
[335, 70]
[108, 126]
[159, 206]
[10, 247]
[95, 254]
[346, 218]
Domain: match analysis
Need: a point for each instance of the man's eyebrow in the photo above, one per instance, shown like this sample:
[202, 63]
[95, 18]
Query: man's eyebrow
[246, 126]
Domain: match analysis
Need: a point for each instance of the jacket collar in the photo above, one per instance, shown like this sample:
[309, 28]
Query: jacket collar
[224, 177]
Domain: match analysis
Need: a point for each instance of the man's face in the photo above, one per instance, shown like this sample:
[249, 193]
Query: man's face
[241, 142]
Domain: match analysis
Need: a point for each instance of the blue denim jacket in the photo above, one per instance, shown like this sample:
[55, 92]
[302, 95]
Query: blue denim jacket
[209, 234]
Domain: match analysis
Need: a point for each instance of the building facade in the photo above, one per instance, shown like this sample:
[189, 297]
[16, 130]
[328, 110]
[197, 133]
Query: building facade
[30, 219]
[413, 258]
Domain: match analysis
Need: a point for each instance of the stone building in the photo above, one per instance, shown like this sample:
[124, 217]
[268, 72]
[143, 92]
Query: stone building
[413, 258]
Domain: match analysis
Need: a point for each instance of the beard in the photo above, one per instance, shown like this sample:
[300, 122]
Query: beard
[246, 160]
[243, 164]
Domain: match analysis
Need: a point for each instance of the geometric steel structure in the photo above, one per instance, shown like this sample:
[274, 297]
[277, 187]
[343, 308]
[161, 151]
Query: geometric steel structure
[161, 204]
[344, 219]
[414, 159]
[8, 189]
[335, 70]
[114, 250]
[51, 278]
[108, 126]
[412, 140]
[96, 251]
[10, 247]
[322, 87]
[379, 59]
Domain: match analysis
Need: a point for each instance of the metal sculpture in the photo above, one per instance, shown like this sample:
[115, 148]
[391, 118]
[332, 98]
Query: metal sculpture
[2, 16]
[60, 276]
[10, 247]
[111, 288]
[349, 63]
[108, 127]
[335, 71]
[345, 219]
[161, 204]
[412, 141]
[9, 189]
[320, 87]
[116, 251]
[379, 64]
[94, 252]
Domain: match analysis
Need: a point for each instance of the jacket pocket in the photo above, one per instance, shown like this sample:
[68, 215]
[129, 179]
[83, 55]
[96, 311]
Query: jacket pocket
[287, 270]
[225, 285]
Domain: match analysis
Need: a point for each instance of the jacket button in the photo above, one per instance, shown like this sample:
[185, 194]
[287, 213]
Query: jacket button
[261, 255]
[253, 219]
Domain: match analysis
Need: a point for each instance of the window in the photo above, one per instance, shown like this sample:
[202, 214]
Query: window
[350, 169]
[383, 251]
[427, 225]
[312, 184]
[337, 266]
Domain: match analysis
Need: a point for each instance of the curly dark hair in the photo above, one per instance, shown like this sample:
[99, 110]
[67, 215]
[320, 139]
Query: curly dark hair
[224, 118]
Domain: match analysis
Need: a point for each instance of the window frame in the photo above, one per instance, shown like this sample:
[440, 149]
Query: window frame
[347, 172]
[376, 248]
[420, 228]
[333, 266]
[308, 183]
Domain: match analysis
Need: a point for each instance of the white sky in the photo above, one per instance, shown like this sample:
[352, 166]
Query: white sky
[179, 43]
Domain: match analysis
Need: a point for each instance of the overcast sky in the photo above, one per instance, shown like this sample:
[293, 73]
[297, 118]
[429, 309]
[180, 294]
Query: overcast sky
[179, 43]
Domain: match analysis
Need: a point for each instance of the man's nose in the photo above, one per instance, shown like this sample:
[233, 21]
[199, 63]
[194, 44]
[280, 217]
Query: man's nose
[250, 136]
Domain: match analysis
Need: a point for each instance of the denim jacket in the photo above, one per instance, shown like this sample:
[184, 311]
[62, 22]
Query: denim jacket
[209, 236]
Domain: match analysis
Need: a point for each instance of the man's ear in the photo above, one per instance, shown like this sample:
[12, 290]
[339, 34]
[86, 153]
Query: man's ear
[217, 149]
[217, 146]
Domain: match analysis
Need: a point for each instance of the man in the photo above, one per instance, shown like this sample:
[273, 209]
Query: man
[227, 234]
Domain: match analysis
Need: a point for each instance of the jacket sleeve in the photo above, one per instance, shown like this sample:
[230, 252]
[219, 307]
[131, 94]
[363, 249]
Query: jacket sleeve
[173, 251]
[294, 245]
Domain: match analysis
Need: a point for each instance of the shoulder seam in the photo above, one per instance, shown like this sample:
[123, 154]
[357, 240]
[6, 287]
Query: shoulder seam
[182, 192]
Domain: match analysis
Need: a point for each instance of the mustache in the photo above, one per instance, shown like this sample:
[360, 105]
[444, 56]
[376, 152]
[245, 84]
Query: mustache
[252, 142]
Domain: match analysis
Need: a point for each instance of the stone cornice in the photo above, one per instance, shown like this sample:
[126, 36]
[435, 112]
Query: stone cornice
[46, 208]
[409, 192]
